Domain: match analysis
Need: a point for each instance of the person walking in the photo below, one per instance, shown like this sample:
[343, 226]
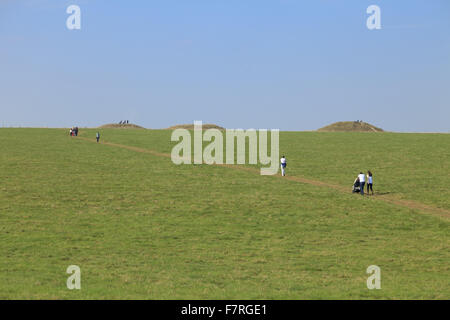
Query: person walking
[362, 182]
[369, 182]
[97, 136]
[283, 165]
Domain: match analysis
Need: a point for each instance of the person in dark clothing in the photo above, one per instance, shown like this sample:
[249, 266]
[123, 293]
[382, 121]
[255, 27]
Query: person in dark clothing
[97, 136]
[369, 182]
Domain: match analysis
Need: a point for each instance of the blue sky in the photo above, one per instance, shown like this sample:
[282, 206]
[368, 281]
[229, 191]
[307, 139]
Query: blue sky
[286, 64]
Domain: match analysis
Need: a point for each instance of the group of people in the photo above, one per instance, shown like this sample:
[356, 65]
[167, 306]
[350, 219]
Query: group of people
[73, 132]
[124, 122]
[361, 181]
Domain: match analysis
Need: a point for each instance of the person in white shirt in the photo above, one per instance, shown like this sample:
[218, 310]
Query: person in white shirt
[283, 166]
[362, 182]
[369, 182]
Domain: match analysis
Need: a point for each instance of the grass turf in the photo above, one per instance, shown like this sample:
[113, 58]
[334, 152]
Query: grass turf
[141, 227]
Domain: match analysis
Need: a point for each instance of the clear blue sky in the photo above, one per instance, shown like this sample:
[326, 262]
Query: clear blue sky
[286, 64]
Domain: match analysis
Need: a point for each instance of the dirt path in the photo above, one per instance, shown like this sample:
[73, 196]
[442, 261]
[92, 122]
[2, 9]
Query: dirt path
[410, 204]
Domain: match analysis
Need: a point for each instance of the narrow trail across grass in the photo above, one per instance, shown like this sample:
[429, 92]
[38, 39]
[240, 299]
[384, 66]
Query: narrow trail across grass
[410, 204]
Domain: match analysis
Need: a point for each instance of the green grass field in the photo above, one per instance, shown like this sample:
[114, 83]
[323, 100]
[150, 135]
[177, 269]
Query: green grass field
[141, 227]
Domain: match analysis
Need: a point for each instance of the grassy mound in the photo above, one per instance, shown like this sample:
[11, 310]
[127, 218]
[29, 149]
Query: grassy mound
[350, 126]
[205, 126]
[121, 126]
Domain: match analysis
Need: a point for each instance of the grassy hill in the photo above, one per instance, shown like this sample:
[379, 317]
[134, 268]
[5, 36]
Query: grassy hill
[121, 126]
[205, 126]
[350, 126]
[141, 227]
